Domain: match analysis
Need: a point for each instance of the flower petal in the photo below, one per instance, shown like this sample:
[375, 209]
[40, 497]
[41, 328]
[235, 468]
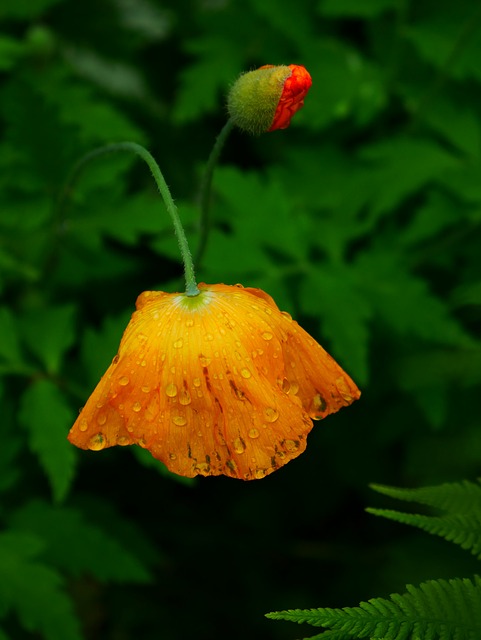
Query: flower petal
[220, 383]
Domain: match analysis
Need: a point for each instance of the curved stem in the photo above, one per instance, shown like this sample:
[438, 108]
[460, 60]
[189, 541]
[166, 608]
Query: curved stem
[190, 282]
[205, 187]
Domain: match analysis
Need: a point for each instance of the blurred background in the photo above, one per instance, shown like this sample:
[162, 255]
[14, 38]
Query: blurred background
[362, 220]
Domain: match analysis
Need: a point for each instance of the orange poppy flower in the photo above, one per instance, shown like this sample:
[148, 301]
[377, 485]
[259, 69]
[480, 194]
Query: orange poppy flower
[218, 383]
[266, 99]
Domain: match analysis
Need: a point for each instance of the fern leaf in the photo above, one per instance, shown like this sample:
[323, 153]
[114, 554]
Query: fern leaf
[461, 503]
[455, 497]
[435, 610]
[462, 530]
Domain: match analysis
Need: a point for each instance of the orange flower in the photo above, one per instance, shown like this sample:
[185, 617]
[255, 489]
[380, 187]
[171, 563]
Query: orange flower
[218, 383]
[267, 98]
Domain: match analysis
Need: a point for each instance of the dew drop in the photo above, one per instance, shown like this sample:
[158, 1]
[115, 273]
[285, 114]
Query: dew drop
[123, 441]
[142, 443]
[318, 405]
[184, 397]
[115, 359]
[136, 407]
[239, 445]
[294, 387]
[141, 337]
[178, 344]
[101, 419]
[145, 388]
[123, 381]
[97, 442]
[259, 473]
[253, 433]
[202, 467]
[83, 426]
[209, 337]
[204, 360]
[245, 373]
[172, 456]
[189, 323]
[267, 335]
[286, 315]
[171, 390]
[285, 385]
[271, 414]
[196, 382]
[180, 421]
[291, 445]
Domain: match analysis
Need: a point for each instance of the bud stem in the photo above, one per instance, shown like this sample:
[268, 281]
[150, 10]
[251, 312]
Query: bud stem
[206, 185]
[190, 282]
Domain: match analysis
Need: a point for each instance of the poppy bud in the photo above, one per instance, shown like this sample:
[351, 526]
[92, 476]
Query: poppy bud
[267, 98]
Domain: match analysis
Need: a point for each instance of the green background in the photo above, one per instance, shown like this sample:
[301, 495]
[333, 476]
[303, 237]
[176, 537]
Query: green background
[362, 220]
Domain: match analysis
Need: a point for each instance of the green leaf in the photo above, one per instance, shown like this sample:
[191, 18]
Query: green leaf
[404, 301]
[47, 417]
[437, 609]
[10, 343]
[331, 294]
[33, 590]
[461, 503]
[48, 333]
[354, 9]
[202, 83]
[10, 51]
[24, 9]
[77, 546]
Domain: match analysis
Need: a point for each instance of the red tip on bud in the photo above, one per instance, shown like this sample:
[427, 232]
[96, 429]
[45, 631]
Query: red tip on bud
[267, 98]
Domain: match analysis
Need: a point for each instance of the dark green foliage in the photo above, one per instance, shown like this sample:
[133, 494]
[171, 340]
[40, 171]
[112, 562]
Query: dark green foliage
[436, 610]
[362, 220]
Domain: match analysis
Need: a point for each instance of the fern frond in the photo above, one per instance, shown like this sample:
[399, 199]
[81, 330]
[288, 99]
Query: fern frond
[454, 497]
[462, 530]
[436, 610]
[461, 521]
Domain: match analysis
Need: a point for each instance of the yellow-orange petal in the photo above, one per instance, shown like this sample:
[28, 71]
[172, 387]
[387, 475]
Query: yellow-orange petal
[219, 383]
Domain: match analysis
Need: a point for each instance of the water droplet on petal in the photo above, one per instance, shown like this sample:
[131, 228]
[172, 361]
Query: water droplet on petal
[291, 445]
[204, 360]
[101, 419]
[253, 433]
[83, 425]
[141, 337]
[196, 382]
[171, 390]
[142, 443]
[145, 388]
[202, 467]
[189, 323]
[180, 421]
[123, 441]
[178, 344]
[294, 387]
[259, 473]
[245, 373]
[115, 359]
[285, 385]
[239, 445]
[267, 335]
[184, 397]
[172, 456]
[286, 315]
[271, 414]
[97, 442]
[136, 407]
[123, 381]
[209, 337]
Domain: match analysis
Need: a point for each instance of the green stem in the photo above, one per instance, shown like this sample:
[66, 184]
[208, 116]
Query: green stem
[206, 185]
[190, 281]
